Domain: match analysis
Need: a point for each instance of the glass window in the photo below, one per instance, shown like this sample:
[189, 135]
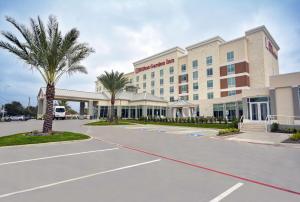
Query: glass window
[195, 86]
[184, 78]
[152, 91]
[184, 97]
[152, 74]
[209, 71]
[210, 84]
[231, 82]
[171, 89]
[171, 70]
[209, 60]
[152, 83]
[218, 110]
[210, 95]
[161, 91]
[230, 56]
[137, 79]
[172, 79]
[184, 88]
[171, 99]
[231, 69]
[161, 72]
[195, 75]
[231, 92]
[195, 97]
[195, 64]
[183, 68]
[144, 85]
[144, 76]
[161, 81]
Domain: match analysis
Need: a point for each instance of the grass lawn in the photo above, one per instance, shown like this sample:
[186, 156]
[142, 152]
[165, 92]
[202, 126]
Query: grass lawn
[22, 138]
[106, 123]
[200, 125]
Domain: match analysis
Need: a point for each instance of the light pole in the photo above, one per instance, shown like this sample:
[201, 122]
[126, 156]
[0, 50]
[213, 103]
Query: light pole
[3, 106]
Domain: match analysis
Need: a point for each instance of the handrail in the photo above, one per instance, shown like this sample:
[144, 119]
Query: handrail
[289, 120]
[241, 122]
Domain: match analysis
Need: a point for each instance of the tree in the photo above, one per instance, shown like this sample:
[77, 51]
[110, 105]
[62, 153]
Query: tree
[48, 52]
[69, 109]
[14, 108]
[114, 82]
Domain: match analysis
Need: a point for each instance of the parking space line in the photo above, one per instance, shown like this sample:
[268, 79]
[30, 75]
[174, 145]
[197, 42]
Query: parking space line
[202, 167]
[77, 178]
[227, 192]
[57, 156]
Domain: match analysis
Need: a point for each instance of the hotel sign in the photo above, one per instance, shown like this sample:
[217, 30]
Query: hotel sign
[270, 47]
[152, 66]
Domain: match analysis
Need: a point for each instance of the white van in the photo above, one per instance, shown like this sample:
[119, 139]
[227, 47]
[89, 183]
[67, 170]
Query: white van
[59, 112]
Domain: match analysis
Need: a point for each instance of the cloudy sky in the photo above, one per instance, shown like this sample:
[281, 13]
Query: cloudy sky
[122, 32]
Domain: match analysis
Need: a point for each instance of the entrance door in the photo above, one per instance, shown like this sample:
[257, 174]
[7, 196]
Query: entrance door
[254, 111]
[259, 111]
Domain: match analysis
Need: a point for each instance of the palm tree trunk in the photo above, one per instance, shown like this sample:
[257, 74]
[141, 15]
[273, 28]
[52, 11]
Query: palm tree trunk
[50, 92]
[112, 110]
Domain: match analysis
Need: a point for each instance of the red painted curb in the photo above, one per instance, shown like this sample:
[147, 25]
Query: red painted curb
[205, 168]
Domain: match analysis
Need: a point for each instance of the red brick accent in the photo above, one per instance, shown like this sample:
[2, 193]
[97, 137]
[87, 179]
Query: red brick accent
[241, 67]
[224, 93]
[179, 79]
[179, 90]
[241, 81]
[223, 84]
[223, 71]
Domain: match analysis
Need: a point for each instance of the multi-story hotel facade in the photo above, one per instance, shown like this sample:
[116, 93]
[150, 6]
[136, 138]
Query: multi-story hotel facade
[228, 79]
[213, 77]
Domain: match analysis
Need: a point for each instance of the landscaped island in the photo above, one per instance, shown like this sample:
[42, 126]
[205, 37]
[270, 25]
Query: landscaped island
[31, 138]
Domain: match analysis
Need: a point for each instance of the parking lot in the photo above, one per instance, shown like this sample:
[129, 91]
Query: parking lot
[145, 163]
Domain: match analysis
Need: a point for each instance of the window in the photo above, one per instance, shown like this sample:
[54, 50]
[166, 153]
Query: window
[195, 75]
[231, 92]
[195, 97]
[195, 64]
[184, 78]
[144, 77]
[152, 83]
[184, 88]
[209, 72]
[152, 75]
[161, 91]
[171, 70]
[144, 85]
[231, 82]
[195, 86]
[172, 99]
[161, 81]
[230, 56]
[137, 79]
[218, 110]
[172, 79]
[209, 60]
[171, 89]
[210, 95]
[210, 84]
[231, 69]
[152, 92]
[184, 97]
[183, 68]
[161, 72]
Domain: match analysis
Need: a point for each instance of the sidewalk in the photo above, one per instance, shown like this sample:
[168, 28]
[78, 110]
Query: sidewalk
[263, 138]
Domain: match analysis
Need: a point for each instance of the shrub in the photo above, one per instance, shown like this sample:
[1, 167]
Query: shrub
[274, 127]
[220, 120]
[295, 136]
[228, 131]
[234, 124]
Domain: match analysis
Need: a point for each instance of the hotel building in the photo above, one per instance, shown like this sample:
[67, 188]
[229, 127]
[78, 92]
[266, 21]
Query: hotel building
[214, 77]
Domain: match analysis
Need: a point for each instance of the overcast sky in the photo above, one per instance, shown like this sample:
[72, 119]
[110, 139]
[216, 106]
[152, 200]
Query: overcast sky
[122, 32]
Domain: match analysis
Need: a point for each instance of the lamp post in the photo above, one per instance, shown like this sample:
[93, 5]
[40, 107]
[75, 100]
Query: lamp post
[3, 106]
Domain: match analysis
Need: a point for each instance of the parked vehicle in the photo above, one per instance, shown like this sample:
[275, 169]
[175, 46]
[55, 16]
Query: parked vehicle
[18, 118]
[59, 112]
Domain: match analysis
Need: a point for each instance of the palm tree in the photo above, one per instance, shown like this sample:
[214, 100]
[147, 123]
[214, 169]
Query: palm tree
[48, 52]
[114, 82]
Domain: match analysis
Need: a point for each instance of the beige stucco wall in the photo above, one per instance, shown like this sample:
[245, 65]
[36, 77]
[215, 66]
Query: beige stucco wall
[238, 46]
[284, 101]
[291, 79]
